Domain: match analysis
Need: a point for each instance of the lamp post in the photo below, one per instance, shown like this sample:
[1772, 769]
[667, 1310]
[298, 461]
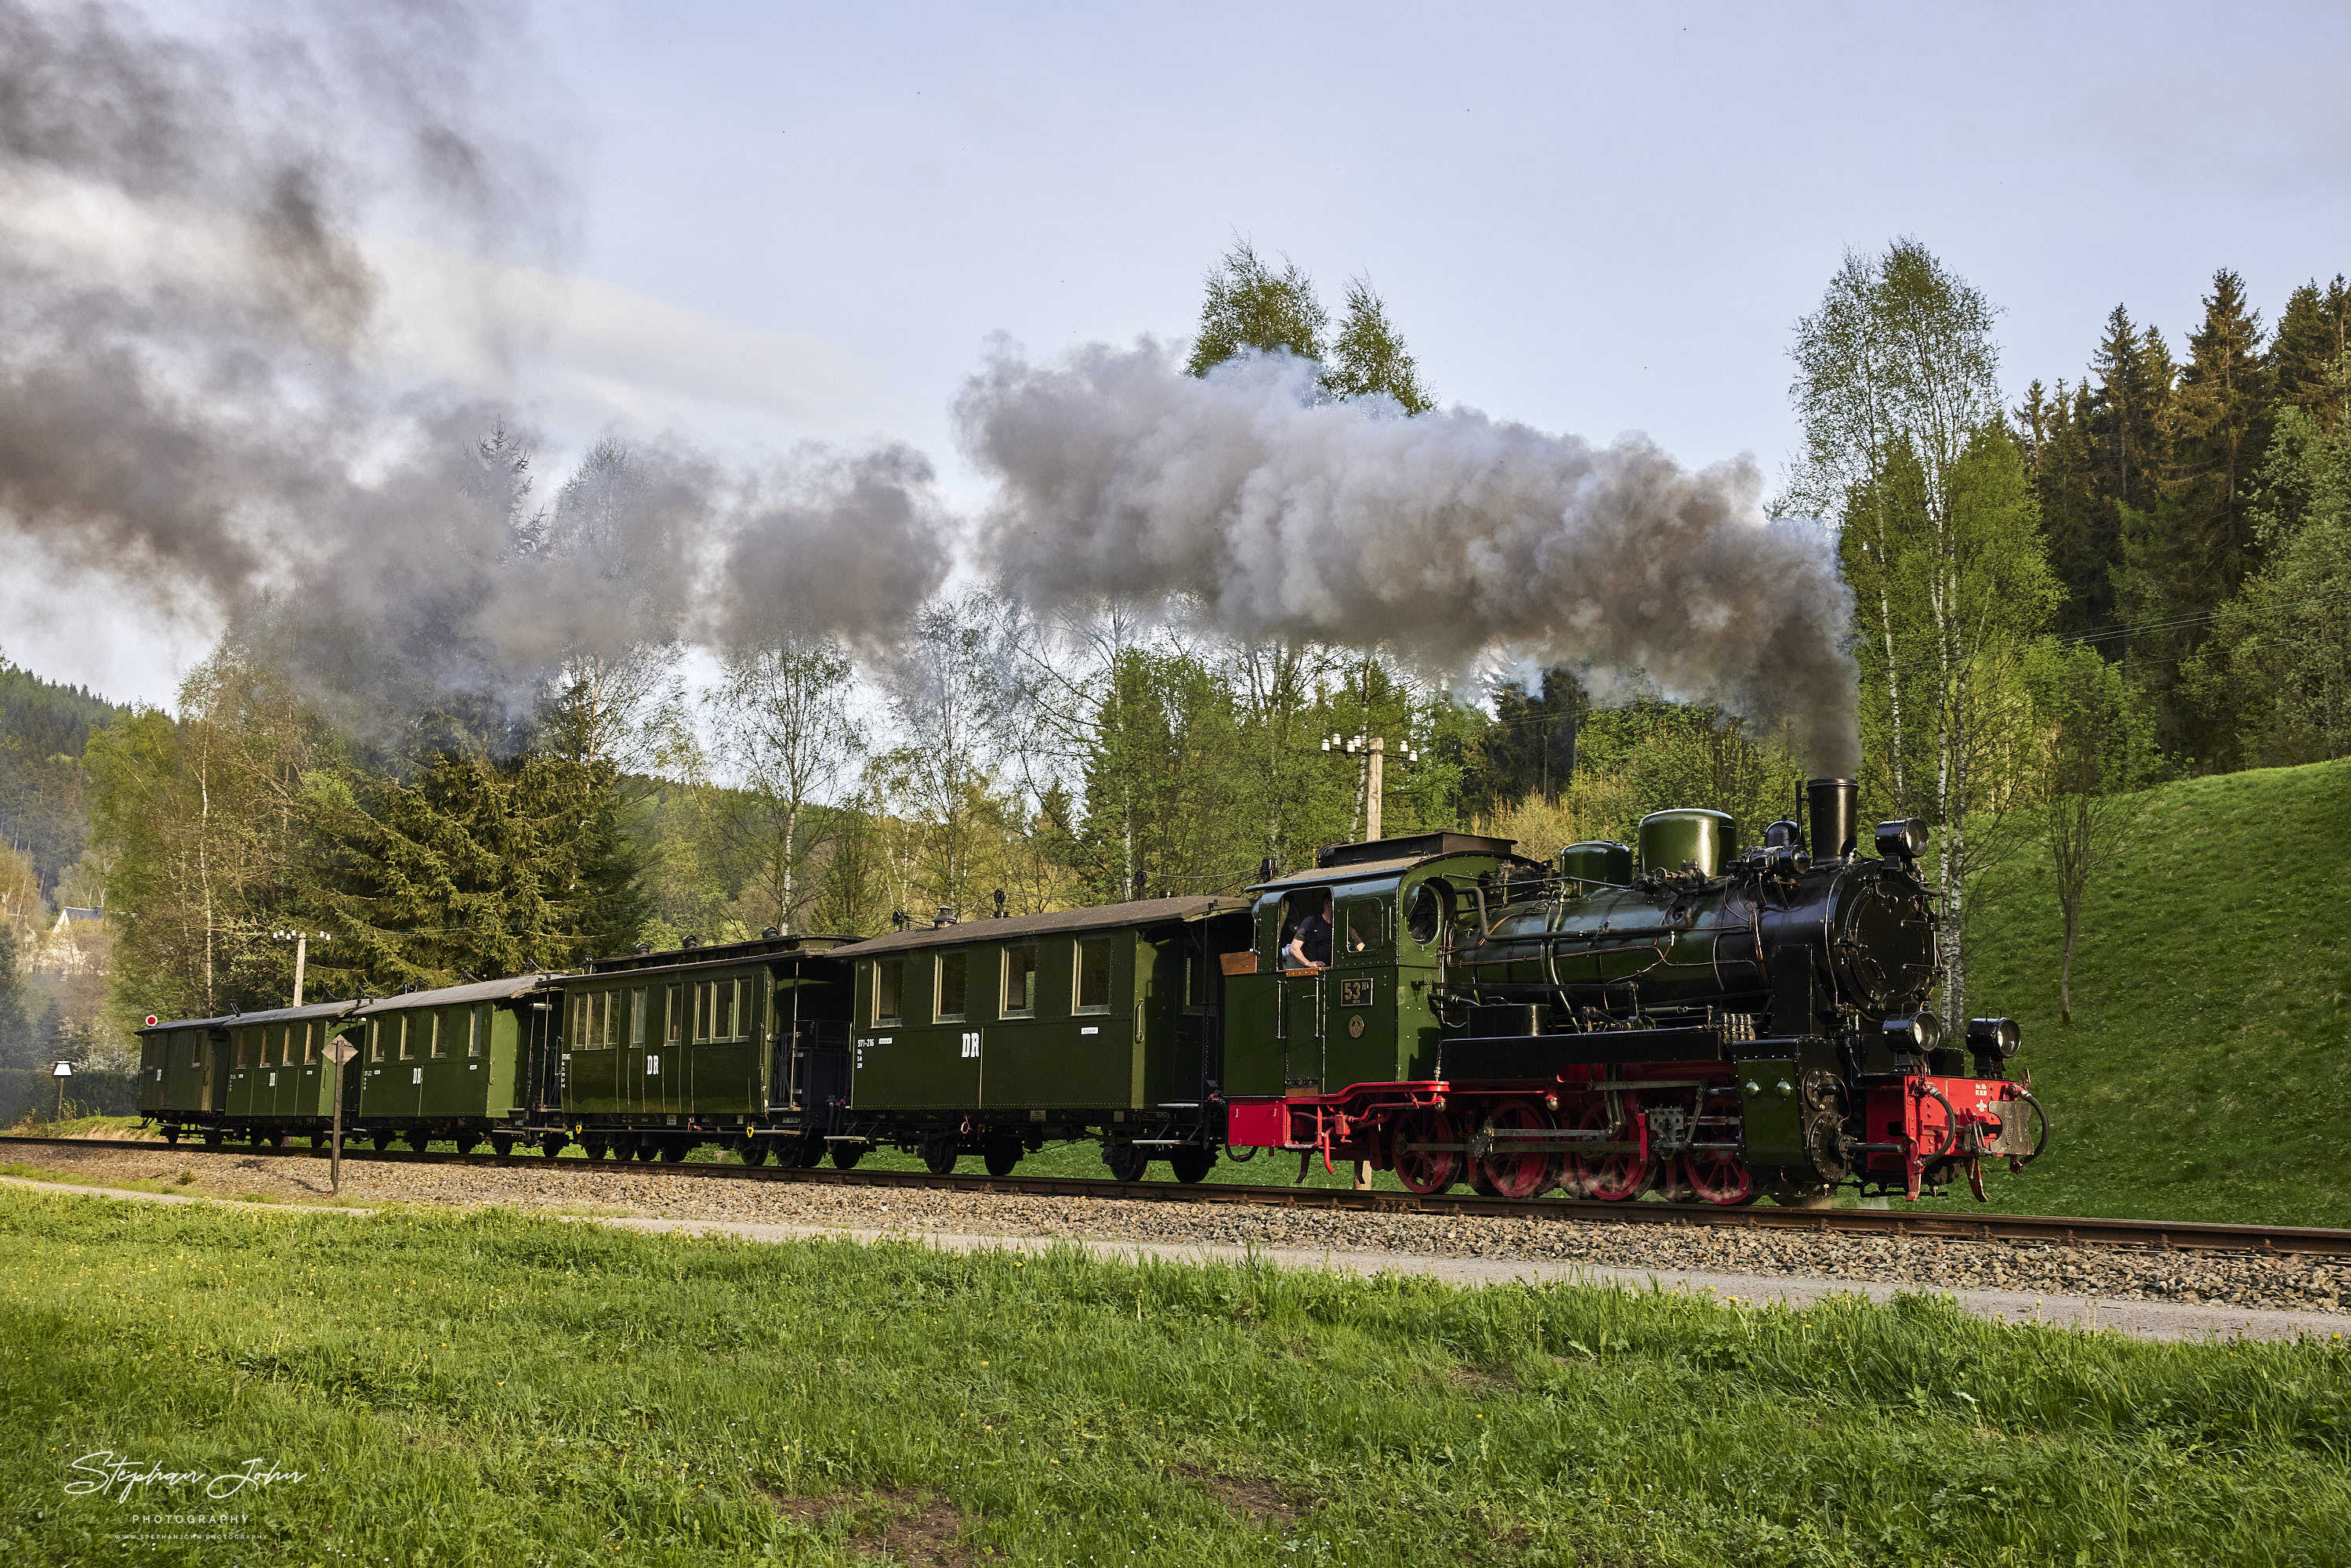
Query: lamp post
[1375, 747]
[61, 1072]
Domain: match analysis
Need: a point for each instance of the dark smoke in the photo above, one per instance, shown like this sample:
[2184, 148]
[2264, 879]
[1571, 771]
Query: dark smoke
[1444, 537]
[202, 416]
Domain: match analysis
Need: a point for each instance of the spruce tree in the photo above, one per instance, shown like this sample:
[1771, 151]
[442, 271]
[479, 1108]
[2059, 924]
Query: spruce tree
[476, 868]
[2183, 555]
[1368, 357]
[2053, 430]
[2313, 335]
[1251, 306]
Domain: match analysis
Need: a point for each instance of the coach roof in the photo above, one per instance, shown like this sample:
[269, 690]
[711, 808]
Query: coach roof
[457, 996]
[1061, 922]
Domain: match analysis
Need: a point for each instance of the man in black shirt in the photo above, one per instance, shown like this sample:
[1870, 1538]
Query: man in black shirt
[1310, 944]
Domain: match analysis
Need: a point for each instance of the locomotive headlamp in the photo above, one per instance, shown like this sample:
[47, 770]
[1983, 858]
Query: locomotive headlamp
[1904, 838]
[1994, 1037]
[1915, 1034]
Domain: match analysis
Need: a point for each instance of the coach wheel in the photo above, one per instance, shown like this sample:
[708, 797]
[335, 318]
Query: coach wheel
[806, 1154]
[595, 1148]
[754, 1153]
[1191, 1163]
[1419, 1166]
[211, 1138]
[269, 1138]
[846, 1156]
[1610, 1179]
[502, 1145]
[648, 1150]
[552, 1144]
[939, 1155]
[674, 1150]
[1002, 1156]
[1511, 1169]
[1127, 1162]
[383, 1141]
[467, 1142]
[418, 1140]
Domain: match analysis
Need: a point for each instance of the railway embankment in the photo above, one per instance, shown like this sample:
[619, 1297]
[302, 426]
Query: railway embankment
[2281, 1281]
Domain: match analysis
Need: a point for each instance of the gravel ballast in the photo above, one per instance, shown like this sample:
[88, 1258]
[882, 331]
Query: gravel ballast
[2114, 1273]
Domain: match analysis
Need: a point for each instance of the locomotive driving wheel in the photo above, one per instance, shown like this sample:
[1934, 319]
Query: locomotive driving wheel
[1612, 1178]
[1720, 1177]
[1424, 1169]
[1511, 1169]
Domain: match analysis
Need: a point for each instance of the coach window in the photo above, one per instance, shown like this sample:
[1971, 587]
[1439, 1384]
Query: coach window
[244, 1048]
[406, 1024]
[436, 1041]
[641, 1005]
[478, 1021]
[310, 1033]
[196, 1048]
[1019, 981]
[948, 995]
[1094, 974]
[375, 1040]
[673, 1015]
[889, 990]
[726, 1011]
[268, 1058]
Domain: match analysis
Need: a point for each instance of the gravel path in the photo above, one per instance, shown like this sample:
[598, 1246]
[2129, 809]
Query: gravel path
[2020, 1270]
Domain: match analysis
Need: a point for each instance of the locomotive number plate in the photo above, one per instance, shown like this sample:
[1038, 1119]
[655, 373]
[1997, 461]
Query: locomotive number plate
[1354, 993]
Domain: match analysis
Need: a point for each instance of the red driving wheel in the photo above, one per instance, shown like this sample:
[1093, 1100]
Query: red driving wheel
[1423, 1169]
[1720, 1177]
[1610, 1179]
[1513, 1171]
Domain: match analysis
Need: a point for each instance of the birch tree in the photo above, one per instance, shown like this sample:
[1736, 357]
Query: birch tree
[1906, 447]
[786, 725]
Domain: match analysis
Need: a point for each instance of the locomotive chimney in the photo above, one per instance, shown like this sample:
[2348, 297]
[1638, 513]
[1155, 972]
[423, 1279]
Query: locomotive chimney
[1834, 805]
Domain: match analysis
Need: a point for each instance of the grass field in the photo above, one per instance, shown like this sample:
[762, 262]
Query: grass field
[489, 1388]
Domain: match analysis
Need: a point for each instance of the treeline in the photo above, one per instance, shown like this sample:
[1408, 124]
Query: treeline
[2194, 508]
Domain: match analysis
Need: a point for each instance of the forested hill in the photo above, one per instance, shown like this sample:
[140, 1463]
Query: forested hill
[44, 729]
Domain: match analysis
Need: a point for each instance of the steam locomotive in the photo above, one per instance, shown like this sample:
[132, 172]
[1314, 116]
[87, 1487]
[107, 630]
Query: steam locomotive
[1678, 1015]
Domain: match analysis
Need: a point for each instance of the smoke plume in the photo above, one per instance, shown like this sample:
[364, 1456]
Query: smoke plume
[194, 403]
[1441, 537]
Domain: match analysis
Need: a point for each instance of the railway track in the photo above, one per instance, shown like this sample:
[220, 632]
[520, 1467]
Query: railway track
[2062, 1230]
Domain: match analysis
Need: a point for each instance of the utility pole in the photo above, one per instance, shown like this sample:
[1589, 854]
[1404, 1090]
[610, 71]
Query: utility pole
[301, 940]
[1375, 747]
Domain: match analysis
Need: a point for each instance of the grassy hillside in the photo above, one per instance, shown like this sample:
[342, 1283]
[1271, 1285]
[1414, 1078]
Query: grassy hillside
[2204, 1073]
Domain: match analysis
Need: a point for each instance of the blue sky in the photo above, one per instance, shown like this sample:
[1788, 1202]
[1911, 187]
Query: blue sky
[802, 221]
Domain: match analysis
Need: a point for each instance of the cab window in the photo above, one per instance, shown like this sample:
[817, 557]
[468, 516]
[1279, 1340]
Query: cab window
[1366, 928]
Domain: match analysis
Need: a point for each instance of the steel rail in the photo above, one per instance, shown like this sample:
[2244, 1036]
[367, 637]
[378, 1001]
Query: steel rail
[2197, 1236]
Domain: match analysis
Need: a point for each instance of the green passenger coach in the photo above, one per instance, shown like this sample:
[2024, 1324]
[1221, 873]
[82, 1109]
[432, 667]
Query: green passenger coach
[446, 1063]
[742, 1043]
[994, 1037]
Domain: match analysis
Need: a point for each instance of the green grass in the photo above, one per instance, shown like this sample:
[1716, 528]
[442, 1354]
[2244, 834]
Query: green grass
[74, 1127]
[2202, 1077]
[488, 1388]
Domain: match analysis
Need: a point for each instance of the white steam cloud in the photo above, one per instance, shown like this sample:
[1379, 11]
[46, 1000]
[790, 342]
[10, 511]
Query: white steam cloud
[1441, 537]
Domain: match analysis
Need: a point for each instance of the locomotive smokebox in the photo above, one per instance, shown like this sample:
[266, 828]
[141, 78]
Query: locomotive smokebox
[1834, 805]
